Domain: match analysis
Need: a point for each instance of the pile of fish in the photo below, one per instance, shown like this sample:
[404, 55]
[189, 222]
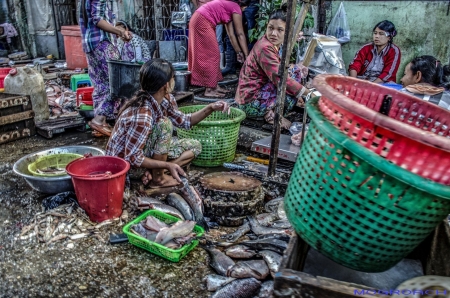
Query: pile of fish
[61, 100]
[246, 268]
[188, 206]
[173, 236]
[67, 221]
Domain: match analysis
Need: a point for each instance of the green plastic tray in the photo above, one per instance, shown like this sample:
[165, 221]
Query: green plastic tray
[218, 133]
[174, 255]
[54, 160]
[356, 207]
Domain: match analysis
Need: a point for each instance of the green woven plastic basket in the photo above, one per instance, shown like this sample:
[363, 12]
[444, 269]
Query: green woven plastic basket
[218, 133]
[355, 207]
[174, 255]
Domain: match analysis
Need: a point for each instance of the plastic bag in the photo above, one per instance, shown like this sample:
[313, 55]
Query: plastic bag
[339, 26]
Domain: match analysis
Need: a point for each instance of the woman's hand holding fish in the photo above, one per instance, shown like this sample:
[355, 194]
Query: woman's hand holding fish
[176, 171]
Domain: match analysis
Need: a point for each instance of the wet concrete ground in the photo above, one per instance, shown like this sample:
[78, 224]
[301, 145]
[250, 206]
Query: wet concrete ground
[92, 268]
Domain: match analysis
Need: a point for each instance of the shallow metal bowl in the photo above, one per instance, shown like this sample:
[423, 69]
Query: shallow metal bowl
[51, 185]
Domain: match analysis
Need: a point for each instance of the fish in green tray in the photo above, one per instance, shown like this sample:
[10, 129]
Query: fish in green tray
[240, 288]
[154, 224]
[139, 230]
[177, 230]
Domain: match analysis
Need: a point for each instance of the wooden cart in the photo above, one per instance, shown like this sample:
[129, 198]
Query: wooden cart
[290, 281]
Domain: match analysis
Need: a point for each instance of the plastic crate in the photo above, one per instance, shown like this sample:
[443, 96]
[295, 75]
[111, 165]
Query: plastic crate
[84, 95]
[411, 133]
[174, 255]
[79, 79]
[218, 133]
[356, 207]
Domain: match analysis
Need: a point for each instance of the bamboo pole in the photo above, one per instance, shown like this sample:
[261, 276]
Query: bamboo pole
[290, 38]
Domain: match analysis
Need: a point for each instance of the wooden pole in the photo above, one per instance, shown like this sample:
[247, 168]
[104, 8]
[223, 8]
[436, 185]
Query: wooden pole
[290, 38]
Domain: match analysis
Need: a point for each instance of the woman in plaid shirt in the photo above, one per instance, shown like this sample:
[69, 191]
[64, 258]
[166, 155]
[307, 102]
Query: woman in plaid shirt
[143, 132]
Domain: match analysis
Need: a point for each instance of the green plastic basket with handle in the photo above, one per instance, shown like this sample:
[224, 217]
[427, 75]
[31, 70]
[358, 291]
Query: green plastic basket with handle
[356, 207]
[52, 165]
[218, 133]
[174, 255]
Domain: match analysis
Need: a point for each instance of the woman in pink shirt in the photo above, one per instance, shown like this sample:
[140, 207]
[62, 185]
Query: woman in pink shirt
[204, 55]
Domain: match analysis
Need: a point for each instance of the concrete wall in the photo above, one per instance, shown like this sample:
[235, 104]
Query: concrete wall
[422, 27]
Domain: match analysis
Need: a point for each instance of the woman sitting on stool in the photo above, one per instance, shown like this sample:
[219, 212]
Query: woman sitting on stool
[379, 60]
[426, 78]
[257, 88]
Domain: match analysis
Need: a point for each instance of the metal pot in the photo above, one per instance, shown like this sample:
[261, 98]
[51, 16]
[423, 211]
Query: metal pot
[56, 184]
[182, 79]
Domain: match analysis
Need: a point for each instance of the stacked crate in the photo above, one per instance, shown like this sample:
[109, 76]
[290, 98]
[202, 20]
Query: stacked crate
[16, 117]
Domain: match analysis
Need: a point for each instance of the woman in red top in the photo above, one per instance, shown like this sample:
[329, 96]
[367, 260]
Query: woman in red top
[378, 61]
[203, 49]
[257, 88]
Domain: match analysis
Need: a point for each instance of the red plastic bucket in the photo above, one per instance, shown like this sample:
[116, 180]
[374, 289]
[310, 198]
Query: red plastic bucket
[99, 182]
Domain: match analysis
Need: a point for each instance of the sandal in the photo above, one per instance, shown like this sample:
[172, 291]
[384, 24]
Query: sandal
[102, 128]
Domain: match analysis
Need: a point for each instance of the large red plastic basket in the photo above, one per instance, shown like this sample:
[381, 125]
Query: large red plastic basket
[411, 133]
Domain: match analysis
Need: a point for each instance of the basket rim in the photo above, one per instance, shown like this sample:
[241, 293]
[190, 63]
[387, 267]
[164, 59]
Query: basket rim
[238, 119]
[127, 227]
[397, 127]
[372, 158]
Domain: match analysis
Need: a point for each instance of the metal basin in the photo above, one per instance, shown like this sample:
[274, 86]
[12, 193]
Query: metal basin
[51, 185]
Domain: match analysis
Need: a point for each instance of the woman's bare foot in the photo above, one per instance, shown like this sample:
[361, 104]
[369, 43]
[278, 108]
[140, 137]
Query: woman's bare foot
[269, 116]
[213, 93]
[220, 89]
[165, 181]
[146, 178]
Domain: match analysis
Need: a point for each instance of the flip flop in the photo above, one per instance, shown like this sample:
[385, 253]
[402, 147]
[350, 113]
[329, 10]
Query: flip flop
[97, 134]
[103, 128]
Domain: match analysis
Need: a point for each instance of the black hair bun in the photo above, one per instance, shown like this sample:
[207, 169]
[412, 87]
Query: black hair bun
[446, 69]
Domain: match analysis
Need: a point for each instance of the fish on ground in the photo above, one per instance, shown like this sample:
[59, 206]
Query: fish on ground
[177, 201]
[166, 209]
[272, 259]
[265, 219]
[272, 205]
[240, 288]
[215, 281]
[195, 202]
[241, 231]
[272, 244]
[240, 252]
[219, 261]
[259, 229]
[253, 268]
[266, 289]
